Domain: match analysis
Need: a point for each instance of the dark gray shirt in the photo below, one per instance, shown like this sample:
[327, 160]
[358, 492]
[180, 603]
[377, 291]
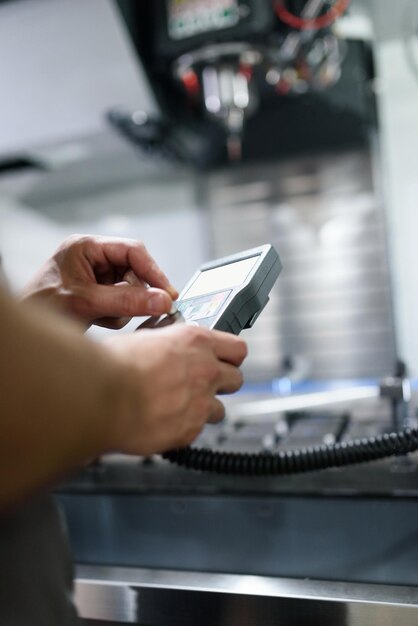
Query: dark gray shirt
[35, 567]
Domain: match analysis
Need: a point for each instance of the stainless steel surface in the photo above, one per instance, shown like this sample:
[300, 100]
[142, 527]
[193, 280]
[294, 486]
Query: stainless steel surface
[252, 409]
[148, 514]
[204, 526]
[140, 596]
[270, 542]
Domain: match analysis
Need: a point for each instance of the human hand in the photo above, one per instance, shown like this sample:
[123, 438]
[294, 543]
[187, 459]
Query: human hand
[103, 280]
[171, 377]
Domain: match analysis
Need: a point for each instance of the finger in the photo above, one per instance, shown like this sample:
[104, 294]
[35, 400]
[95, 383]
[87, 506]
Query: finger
[117, 323]
[133, 254]
[230, 379]
[130, 278]
[218, 412]
[229, 348]
[119, 301]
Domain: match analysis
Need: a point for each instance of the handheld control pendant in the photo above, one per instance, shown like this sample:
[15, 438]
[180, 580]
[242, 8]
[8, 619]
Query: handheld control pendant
[227, 294]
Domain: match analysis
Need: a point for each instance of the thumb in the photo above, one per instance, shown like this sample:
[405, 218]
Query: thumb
[127, 301]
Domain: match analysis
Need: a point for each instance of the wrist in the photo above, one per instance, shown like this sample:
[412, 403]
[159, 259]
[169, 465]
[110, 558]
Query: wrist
[122, 393]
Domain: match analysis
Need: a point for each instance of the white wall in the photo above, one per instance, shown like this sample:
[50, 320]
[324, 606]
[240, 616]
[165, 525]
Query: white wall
[163, 214]
[174, 231]
[399, 137]
[63, 64]
[26, 240]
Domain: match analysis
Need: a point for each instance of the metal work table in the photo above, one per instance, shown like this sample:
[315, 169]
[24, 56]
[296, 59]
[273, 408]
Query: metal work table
[168, 598]
[162, 546]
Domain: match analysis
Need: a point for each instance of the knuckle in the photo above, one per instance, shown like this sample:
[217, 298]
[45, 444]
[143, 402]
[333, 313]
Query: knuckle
[81, 240]
[141, 250]
[219, 412]
[239, 378]
[240, 350]
[243, 347]
[75, 242]
[199, 336]
[75, 237]
[140, 246]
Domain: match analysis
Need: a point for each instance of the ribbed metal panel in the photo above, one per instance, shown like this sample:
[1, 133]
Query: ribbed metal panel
[331, 309]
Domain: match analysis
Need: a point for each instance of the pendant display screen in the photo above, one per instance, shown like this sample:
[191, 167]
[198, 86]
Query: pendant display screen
[221, 278]
[227, 294]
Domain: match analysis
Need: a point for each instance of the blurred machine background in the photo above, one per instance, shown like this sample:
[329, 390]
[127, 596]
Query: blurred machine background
[204, 127]
[227, 73]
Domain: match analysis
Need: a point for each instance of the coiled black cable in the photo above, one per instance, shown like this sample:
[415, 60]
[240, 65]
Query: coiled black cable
[297, 461]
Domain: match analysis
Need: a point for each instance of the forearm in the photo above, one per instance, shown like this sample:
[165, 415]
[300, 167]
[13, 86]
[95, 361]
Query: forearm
[59, 394]
[65, 400]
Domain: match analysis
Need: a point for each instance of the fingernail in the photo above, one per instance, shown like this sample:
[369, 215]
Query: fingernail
[173, 292]
[158, 303]
[130, 278]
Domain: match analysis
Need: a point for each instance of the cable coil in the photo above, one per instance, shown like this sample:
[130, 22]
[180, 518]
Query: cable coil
[296, 461]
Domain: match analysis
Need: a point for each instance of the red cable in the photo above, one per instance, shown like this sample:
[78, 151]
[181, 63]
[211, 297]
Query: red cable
[317, 23]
